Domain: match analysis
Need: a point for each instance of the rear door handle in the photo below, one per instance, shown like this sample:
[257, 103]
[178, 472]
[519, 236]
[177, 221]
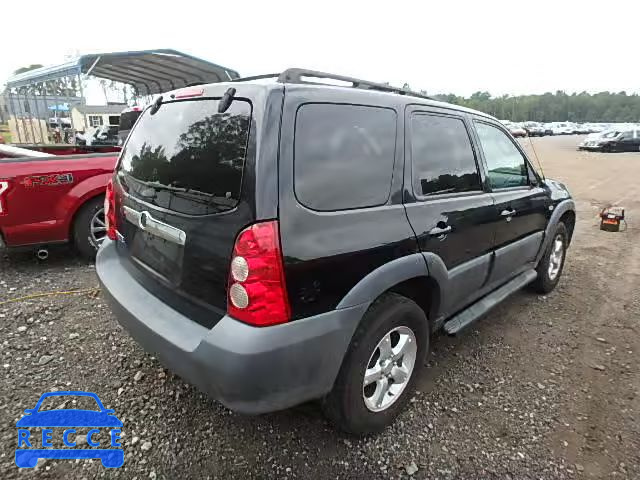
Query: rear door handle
[437, 231]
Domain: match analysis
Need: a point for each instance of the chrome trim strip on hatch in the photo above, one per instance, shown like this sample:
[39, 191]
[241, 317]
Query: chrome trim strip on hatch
[145, 221]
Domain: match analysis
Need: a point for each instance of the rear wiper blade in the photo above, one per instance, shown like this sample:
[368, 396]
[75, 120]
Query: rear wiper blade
[197, 196]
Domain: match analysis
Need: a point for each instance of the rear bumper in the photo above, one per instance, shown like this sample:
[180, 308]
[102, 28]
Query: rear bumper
[249, 370]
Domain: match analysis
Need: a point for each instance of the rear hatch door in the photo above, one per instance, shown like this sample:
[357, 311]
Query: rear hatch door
[180, 182]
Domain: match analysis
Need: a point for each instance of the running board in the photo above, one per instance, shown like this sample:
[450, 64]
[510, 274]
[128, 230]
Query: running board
[486, 303]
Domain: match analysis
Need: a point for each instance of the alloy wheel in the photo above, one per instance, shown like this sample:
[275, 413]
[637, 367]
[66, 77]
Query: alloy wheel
[389, 369]
[556, 257]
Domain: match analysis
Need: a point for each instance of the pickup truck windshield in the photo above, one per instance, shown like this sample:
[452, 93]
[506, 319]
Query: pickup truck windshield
[187, 157]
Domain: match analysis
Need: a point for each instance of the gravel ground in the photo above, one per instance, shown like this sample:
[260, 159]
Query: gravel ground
[544, 387]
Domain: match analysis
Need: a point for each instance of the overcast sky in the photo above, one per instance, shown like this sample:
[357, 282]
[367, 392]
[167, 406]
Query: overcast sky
[513, 47]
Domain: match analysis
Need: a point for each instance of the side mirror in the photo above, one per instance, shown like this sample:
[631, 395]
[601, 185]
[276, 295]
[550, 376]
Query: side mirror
[533, 180]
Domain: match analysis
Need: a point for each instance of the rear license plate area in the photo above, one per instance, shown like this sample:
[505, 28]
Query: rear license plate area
[160, 255]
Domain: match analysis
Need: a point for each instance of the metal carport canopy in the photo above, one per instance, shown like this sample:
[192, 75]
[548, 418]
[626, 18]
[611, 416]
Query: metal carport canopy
[149, 71]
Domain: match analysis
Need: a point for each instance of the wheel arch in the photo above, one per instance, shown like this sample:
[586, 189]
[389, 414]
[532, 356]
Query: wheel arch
[68, 206]
[425, 292]
[407, 276]
[565, 209]
[569, 219]
[78, 208]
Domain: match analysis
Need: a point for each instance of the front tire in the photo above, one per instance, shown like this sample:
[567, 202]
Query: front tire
[379, 372]
[552, 263]
[89, 229]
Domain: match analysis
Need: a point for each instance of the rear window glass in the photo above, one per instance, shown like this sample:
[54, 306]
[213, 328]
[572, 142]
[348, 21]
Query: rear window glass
[187, 157]
[343, 155]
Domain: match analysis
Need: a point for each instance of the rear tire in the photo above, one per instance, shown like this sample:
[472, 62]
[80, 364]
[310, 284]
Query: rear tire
[354, 407]
[85, 242]
[552, 263]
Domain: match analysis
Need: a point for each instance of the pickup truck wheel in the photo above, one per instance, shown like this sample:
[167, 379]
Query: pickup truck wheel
[378, 374]
[550, 267]
[89, 228]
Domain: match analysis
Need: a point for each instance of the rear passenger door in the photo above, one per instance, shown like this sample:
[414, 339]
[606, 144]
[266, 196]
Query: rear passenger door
[520, 200]
[340, 193]
[447, 206]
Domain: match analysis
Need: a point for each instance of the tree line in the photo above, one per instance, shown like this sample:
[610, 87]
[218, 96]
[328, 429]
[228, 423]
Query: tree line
[554, 107]
[548, 107]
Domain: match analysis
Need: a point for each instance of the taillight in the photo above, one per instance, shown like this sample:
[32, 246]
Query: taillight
[110, 211]
[257, 292]
[4, 186]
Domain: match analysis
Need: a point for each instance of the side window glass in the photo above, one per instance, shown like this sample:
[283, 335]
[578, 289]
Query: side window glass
[505, 164]
[626, 136]
[442, 157]
[343, 155]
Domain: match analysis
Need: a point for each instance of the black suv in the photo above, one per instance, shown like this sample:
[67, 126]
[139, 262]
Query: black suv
[280, 241]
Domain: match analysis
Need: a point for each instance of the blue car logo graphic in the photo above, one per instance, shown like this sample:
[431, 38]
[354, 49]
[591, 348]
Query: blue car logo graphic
[69, 419]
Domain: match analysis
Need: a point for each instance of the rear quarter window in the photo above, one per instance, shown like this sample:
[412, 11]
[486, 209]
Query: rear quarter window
[343, 155]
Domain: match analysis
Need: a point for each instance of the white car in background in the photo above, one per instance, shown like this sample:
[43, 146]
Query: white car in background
[582, 129]
[534, 129]
[595, 127]
[562, 128]
[594, 141]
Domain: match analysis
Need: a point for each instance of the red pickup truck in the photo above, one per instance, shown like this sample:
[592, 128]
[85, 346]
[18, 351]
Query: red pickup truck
[46, 200]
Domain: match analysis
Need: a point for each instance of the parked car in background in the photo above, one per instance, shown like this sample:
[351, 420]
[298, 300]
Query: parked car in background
[562, 128]
[516, 129]
[595, 127]
[534, 129]
[548, 128]
[48, 200]
[282, 249]
[592, 141]
[582, 129]
[627, 140]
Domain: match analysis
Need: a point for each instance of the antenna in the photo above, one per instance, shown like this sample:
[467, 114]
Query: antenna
[536, 155]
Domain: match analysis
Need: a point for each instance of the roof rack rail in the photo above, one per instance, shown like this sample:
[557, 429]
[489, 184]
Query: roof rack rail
[299, 75]
[256, 77]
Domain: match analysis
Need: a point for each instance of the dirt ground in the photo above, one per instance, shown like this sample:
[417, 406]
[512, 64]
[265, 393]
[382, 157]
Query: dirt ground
[544, 387]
